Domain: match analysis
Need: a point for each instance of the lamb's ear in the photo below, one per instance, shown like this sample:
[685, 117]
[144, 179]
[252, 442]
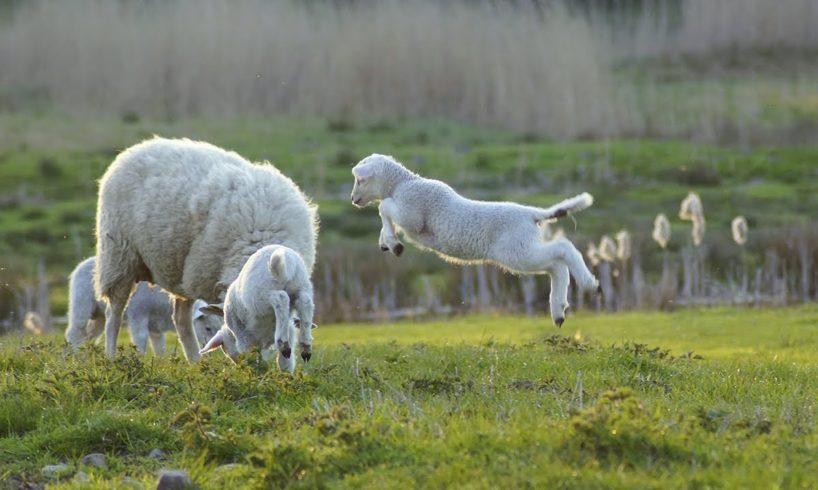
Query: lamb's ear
[215, 342]
[220, 289]
[363, 171]
[279, 267]
[217, 310]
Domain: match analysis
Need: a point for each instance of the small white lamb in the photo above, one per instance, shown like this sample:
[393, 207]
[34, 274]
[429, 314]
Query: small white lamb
[148, 314]
[434, 217]
[272, 287]
[187, 215]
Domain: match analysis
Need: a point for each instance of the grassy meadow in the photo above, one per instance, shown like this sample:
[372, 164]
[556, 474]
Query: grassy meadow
[714, 398]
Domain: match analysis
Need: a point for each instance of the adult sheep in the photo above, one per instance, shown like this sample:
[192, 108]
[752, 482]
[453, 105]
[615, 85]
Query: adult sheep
[187, 215]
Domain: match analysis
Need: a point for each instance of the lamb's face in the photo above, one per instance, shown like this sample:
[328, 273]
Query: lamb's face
[205, 326]
[367, 185]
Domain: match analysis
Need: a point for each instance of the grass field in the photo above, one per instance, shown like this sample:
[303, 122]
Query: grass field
[716, 398]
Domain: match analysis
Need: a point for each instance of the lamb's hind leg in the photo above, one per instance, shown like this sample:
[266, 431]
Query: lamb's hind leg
[388, 240]
[562, 250]
[559, 292]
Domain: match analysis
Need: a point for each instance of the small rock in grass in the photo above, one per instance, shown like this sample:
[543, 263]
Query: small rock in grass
[97, 460]
[174, 480]
[81, 477]
[56, 471]
[157, 453]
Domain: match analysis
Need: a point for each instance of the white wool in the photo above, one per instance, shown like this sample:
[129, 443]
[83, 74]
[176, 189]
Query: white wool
[661, 230]
[273, 287]
[623, 245]
[186, 216]
[739, 229]
[606, 249]
[434, 217]
[148, 314]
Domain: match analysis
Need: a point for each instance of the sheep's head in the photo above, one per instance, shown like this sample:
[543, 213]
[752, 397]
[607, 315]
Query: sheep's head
[368, 185]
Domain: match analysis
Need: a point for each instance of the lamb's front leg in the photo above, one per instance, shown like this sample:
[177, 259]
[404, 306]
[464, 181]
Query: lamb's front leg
[388, 240]
[281, 306]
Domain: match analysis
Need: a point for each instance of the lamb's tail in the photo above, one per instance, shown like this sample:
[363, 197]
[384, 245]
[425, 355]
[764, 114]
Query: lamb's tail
[566, 207]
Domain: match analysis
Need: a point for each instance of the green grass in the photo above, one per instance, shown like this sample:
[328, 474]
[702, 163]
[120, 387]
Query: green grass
[715, 398]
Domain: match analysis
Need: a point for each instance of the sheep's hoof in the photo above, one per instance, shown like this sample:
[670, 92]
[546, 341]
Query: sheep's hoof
[398, 249]
[559, 321]
[599, 290]
[384, 248]
[306, 356]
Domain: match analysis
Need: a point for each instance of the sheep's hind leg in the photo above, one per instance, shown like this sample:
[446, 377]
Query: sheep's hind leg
[117, 298]
[388, 241]
[183, 321]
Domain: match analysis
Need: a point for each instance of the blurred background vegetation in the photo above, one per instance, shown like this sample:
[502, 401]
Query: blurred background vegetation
[638, 102]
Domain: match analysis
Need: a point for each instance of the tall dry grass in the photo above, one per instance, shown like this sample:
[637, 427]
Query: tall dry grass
[546, 71]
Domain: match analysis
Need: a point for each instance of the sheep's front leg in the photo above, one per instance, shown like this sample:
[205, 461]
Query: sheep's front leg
[281, 306]
[388, 240]
[158, 343]
[306, 310]
[183, 321]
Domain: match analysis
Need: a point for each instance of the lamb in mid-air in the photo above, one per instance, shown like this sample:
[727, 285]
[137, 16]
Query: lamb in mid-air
[148, 313]
[272, 285]
[433, 216]
[187, 216]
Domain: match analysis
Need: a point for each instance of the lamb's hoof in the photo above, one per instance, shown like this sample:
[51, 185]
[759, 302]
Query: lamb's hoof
[306, 356]
[559, 321]
[384, 248]
[285, 350]
[398, 249]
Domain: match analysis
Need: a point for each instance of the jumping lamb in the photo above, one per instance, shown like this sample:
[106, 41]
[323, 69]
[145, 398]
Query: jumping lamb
[272, 285]
[187, 216]
[148, 313]
[434, 217]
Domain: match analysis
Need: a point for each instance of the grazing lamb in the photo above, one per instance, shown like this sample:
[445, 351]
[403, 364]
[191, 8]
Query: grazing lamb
[148, 313]
[434, 217]
[187, 216]
[258, 308]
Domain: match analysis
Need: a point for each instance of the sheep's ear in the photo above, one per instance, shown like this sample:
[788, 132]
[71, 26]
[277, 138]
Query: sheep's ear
[215, 342]
[279, 267]
[217, 310]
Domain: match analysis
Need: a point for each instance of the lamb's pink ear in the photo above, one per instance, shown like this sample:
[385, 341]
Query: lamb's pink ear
[215, 342]
[212, 310]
